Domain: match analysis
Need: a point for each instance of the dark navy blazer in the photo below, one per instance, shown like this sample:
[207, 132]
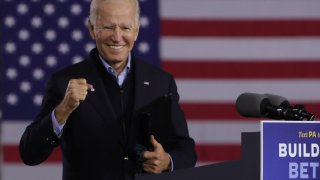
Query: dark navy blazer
[93, 142]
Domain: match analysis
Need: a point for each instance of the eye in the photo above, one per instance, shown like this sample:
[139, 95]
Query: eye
[107, 27]
[126, 28]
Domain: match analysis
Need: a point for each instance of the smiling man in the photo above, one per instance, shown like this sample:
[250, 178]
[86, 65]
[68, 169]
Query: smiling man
[90, 108]
[114, 25]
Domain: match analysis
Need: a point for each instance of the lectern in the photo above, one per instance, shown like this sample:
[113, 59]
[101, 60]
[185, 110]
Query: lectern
[247, 168]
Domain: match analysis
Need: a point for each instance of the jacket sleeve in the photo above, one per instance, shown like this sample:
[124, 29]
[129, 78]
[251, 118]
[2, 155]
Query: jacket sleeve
[182, 148]
[39, 139]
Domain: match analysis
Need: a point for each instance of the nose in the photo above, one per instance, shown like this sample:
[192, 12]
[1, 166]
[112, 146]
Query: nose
[116, 35]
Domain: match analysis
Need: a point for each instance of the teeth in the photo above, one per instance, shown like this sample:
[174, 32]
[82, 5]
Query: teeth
[115, 47]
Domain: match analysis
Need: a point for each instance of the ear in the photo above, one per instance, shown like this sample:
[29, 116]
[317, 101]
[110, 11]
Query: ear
[91, 29]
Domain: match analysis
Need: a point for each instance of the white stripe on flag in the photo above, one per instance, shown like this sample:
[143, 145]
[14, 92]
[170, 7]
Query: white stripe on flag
[202, 131]
[207, 133]
[239, 9]
[227, 90]
[14, 171]
[220, 132]
[175, 48]
[12, 131]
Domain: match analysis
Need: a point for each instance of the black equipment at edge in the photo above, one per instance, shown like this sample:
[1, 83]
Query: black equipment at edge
[270, 106]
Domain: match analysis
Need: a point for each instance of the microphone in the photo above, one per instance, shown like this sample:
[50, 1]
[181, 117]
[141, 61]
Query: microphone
[277, 100]
[252, 105]
[270, 106]
[279, 104]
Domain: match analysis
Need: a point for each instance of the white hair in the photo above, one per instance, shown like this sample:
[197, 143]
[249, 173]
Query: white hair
[95, 3]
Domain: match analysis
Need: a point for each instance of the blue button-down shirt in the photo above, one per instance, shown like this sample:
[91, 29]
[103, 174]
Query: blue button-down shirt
[123, 74]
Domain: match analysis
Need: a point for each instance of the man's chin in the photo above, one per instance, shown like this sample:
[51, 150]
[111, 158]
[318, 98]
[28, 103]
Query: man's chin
[115, 60]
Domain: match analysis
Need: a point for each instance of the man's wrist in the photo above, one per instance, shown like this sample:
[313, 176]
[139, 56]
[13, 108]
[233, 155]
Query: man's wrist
[61, 113]
[57, 128]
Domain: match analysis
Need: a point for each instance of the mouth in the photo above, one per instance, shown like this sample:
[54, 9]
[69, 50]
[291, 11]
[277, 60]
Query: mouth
[116, 47]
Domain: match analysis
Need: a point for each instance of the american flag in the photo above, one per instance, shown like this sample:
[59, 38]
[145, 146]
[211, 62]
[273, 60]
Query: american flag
[215, 49]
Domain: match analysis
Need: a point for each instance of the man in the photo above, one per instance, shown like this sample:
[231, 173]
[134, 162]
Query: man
[90, 108]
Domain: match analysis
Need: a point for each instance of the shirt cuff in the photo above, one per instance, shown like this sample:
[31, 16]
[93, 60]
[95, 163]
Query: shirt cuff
[57, 128]
[171, 163]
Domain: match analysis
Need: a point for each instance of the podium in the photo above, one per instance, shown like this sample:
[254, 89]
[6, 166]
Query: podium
[247, 168]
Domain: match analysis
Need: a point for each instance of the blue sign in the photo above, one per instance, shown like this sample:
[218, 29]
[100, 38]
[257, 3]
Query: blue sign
[290, 150]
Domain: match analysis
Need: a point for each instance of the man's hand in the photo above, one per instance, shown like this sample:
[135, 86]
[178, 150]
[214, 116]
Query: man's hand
[157, 160]
[76, 92]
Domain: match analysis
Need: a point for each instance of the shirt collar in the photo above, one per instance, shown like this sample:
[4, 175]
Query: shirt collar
[123, 74]
[109, 68]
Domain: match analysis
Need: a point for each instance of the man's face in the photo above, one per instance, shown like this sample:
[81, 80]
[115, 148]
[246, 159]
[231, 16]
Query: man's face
[115, 31]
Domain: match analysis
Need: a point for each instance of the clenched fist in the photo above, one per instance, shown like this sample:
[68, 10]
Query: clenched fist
[76, 92]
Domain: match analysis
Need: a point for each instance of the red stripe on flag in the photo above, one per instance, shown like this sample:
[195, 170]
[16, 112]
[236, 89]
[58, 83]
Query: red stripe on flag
[236, 69]
[210, 111]
[11, 154]
[241, 28]
[218, 152]
[205, 153]
[220, 111]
